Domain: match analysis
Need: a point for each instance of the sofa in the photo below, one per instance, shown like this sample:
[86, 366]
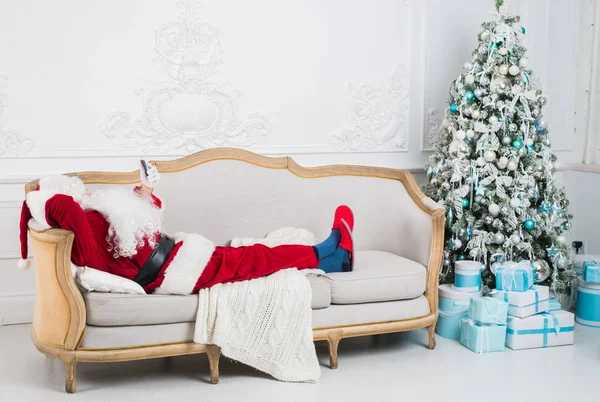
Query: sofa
[398, 238]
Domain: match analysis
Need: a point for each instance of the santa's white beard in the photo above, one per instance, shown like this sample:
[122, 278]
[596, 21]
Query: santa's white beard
[133, 220]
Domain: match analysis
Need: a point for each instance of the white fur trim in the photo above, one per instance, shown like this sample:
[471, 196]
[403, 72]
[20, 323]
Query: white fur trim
[36, 201]
[24, 264]
[187, 266]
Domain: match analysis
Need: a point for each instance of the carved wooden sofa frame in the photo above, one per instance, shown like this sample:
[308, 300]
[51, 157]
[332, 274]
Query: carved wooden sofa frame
[59, 322]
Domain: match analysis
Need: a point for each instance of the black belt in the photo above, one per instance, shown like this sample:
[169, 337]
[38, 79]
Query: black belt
[148, 273]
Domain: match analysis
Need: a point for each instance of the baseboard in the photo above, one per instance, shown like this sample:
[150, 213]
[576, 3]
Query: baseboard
[17, 309]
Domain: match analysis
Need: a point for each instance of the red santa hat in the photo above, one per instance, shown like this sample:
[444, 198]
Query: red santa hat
[24, 263]
[48, 187]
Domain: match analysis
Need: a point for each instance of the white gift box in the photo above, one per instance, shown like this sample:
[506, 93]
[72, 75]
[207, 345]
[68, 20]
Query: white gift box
[554, 328]
[524, 304]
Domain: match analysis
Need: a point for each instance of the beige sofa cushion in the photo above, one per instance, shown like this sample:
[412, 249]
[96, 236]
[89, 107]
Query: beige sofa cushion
[110, 309]
[378, 276]
[333, 316]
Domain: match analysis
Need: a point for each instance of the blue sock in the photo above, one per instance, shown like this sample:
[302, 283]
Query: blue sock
[339, 261]
[329, 245]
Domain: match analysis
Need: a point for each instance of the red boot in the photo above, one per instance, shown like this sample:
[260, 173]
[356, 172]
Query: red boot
[344, 222]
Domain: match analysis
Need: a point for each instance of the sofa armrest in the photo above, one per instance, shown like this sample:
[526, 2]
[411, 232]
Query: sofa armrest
[436, 255]
[59, 314]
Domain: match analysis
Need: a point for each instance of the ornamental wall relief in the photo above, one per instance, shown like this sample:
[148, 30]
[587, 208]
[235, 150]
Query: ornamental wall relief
[192, 109]
[378, 116]
[11, 141]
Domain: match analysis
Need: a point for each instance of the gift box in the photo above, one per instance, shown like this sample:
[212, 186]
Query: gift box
[467, 276]
[486, 310]
[515, 277]
[453, 307]
[588, 304]
[554, 304]
[523, 304]
[482, 338]
[581, 259]
[591, 272]
[555, 328]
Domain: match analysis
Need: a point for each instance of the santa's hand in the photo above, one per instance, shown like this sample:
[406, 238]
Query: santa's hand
[149, 175]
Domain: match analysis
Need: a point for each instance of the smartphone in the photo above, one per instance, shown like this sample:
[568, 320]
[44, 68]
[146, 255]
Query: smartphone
[145, 167]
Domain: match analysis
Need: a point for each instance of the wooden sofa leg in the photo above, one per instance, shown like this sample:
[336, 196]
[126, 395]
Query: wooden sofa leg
[333, 340]
[214, 353]
[71, 381]
[431, 337]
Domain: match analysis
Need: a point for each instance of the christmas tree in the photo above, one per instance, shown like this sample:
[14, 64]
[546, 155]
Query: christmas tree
[493, 168]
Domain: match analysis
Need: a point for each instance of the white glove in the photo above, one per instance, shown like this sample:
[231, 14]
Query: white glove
[152, 176]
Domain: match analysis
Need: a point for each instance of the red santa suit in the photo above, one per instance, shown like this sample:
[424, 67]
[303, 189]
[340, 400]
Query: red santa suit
[194, 263]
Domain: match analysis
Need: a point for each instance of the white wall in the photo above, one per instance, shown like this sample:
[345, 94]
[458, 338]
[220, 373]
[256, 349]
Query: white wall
[96, 85]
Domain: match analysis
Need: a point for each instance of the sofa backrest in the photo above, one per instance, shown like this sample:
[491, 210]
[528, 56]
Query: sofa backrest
[240, 194]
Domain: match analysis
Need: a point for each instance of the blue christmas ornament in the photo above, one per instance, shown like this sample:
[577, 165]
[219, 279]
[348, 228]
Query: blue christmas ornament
[530, 148]
[469, 139]
[492, 46]
[469, 95]
[552, 251]
[453, 108]
[545, 207]
[529, 224]
[460, 257]
[469, 231]
[517, 144]
[465, 203]
[523, 30]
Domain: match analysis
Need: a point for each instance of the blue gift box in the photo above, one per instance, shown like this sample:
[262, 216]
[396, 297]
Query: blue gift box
[485, 310]
[453, 307]
[515, 277]
[467, 276]
[588, 304]
[591, 272]
[482, 338]
[554, 305]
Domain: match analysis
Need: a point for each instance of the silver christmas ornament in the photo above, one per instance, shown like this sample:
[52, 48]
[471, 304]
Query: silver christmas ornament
[478, 199]
[446, 262]
[542, 124]
[478, 92]
[535, 112]
[504, 210]
[498, 238]
[457, 244]
[462, 232]
[484, 80]
[474, 253]
[562, 262]
[513, 127]
[483, 202]
[468, 66]
[515, 239]
[542, 270]
[506, 140]
[543, 100]
[434, 181]
[488, 220]
[566, 226]
[522, 152]
[499, 104]
[446, 186]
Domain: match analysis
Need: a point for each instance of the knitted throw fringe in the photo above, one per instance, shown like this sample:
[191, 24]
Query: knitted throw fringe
[265, 323]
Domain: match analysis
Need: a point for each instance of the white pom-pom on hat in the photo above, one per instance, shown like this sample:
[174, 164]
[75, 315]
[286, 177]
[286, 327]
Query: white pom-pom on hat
[24, 264]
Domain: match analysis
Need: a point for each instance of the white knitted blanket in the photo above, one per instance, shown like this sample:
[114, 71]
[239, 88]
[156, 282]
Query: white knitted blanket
[265, 323]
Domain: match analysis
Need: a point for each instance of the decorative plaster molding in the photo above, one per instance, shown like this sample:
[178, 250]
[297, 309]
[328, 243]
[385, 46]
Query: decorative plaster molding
[11, 141]
[379, 117]
[434, 127]
[192, 110]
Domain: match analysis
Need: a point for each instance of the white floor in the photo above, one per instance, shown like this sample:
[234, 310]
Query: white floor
[394, 367]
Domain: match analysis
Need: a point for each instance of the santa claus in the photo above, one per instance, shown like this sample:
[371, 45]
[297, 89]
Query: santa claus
[119, 231]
